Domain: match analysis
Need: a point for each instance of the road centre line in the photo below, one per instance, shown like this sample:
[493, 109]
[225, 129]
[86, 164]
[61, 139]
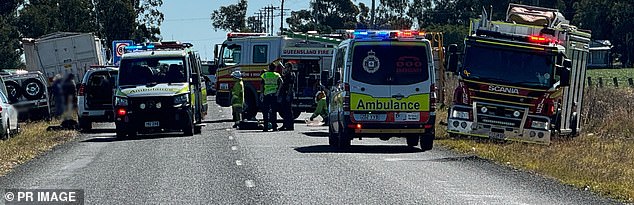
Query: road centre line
[249, 183]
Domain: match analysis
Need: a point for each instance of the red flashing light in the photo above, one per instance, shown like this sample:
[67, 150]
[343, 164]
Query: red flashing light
[122, 112]
[408, 34]
[541, 39]
[358, 126]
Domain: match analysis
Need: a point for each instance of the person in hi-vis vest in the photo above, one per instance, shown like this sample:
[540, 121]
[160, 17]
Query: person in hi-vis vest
[271, 82]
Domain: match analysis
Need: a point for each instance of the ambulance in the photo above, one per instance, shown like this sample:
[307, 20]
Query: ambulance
[381, 85]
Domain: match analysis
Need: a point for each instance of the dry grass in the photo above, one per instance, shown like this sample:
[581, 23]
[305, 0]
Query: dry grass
[29, 143]
[601, 159]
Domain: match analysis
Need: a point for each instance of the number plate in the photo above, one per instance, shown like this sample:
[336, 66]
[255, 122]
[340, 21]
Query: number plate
[368, 117]
[152, 124]
[496, 135]
[407, 116]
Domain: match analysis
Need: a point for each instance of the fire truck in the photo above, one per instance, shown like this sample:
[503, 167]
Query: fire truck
[520, 79]
[251, 53]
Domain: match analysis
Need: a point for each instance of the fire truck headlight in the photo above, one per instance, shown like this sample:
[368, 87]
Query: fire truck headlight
[539, 125]
[460, 114]
[484, 109]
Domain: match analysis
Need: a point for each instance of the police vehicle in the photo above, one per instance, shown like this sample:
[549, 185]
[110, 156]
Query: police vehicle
[382, 84]
[160, 88]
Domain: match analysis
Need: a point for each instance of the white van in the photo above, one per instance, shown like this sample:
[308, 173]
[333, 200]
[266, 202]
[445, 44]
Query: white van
[382, 85]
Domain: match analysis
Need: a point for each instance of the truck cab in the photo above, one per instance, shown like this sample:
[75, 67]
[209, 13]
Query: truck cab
[521, 79]
[382, 85]
[160, 88]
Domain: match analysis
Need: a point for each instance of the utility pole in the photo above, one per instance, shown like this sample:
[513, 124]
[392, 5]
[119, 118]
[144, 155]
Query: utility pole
[372, 14]
[282, 17]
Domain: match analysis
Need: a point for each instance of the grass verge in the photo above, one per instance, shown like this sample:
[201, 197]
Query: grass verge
[607, 74]
[601, 159]
[29, 143]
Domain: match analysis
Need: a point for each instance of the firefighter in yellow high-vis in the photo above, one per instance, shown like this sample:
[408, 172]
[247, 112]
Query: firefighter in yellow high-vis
[271, 82]
[237, 98]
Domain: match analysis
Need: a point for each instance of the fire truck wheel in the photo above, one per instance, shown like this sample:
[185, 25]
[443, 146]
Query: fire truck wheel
[33, 89]
[14, 91]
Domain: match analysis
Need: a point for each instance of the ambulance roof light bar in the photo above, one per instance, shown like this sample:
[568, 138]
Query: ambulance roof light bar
[158, 45]
[391, 34]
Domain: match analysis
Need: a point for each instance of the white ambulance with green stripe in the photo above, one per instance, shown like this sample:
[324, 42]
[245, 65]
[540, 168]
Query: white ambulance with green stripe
[382, 85]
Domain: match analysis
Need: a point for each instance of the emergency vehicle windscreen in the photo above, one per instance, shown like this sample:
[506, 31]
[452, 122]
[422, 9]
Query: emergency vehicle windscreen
[396, 64]
[508, 66]
[152, 71]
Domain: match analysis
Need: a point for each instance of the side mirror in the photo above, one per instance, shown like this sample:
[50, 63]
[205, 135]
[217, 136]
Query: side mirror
[452, 59]
[324, 78]
[564, 73]
[337, 77]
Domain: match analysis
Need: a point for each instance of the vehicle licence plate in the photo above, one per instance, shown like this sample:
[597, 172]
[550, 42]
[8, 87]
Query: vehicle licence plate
[152, 124]
[368, 117]
[496, 135]
[407, 116]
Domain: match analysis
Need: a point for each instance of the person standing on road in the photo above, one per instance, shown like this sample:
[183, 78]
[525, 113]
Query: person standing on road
[70, 91]
[321, 107]
[285, 98]
[58, 94]
[271, 82]
[237, 98]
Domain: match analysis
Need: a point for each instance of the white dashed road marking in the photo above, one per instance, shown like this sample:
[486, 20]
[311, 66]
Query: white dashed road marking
[230, 137]
[234, 148]
[249, 183]
[239, 162]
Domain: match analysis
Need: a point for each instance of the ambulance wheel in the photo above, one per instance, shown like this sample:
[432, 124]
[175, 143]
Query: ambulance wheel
[333, 139]
[296, 114]
[427, 142]
[188, 128]
[412, 141]
[344, 138]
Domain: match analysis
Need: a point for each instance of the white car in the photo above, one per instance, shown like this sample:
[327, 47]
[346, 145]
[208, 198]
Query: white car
[95, 95]
[9, 117]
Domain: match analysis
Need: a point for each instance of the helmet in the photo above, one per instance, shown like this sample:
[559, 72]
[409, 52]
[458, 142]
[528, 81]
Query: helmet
[236, 74]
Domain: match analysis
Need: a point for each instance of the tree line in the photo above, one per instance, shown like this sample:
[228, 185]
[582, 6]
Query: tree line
[138, 20]
[606, 19]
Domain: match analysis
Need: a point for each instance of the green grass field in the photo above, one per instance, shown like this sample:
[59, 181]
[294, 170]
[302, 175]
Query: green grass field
[608, 74]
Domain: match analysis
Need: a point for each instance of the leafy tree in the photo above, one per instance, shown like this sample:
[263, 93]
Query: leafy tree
[149, 20]
[230, 18]
[117, 19]
[9, 35]
[39, 18]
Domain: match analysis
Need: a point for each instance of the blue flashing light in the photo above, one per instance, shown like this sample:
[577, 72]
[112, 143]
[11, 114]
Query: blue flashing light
[372, 34]
[139, 47]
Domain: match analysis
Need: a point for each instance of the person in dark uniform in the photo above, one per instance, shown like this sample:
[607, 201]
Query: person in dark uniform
[285, 98]
[271, 82]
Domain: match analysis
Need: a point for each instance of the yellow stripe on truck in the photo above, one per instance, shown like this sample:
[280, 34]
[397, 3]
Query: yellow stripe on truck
[362, 102]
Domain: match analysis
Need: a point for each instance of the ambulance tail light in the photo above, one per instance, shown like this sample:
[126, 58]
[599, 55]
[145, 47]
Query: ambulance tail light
[346, 98]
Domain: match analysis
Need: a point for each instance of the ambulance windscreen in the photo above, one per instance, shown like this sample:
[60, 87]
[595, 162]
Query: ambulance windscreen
[396, 64]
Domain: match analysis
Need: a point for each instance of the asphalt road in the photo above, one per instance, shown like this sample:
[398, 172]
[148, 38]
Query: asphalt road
[225, 166]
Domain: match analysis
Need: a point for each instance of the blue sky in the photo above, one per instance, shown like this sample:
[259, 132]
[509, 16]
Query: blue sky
[190, 22]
